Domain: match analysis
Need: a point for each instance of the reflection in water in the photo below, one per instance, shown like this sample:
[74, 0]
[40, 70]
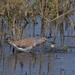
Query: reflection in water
[35, 64]
[41, 64]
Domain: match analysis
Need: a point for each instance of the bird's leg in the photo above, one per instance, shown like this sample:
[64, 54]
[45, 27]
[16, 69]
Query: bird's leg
[14, 51]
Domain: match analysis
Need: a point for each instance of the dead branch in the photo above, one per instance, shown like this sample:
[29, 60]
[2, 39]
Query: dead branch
[58, 16]
[72, 23]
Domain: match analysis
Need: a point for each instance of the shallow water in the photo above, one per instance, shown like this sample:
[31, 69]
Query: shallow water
[32, 64]
[40, 64]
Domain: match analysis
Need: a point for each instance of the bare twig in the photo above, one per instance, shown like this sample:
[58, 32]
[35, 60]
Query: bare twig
[58, 16]
[72, 23]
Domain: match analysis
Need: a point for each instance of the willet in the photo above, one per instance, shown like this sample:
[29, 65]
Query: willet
[27, 44]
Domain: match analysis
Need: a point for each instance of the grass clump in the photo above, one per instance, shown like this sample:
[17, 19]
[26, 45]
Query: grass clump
[64, 48]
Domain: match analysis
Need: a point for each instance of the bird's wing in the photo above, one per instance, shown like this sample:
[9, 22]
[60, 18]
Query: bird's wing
[21, 49]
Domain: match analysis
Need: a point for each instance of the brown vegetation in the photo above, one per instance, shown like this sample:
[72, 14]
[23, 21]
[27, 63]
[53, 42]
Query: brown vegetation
[14, 11]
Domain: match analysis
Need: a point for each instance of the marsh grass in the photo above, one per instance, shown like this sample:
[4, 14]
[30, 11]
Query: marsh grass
[19, 15]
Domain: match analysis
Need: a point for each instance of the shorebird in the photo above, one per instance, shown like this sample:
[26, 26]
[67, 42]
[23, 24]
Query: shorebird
[27, 44]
